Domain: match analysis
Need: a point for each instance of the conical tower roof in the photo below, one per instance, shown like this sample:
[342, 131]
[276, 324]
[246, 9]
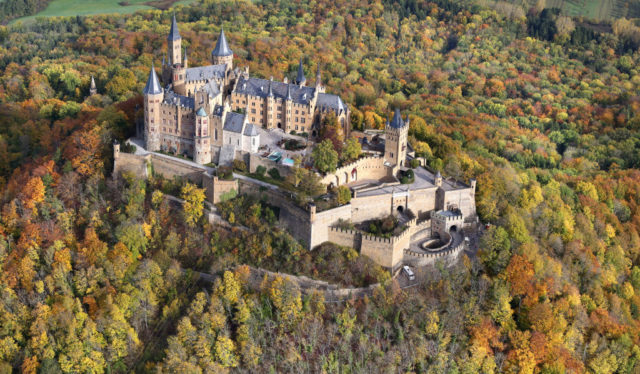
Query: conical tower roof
[270, 89]
[397, 121]
[153, 84]
[300, 79]
[222, 47]
[93, 83]
[174, 34]
[288, 92]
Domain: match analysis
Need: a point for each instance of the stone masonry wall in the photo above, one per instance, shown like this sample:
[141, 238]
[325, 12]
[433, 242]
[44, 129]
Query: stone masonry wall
[320, 223]
[366, 168]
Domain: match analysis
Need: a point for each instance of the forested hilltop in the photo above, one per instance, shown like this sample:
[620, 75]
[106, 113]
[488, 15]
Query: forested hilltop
[99, 275]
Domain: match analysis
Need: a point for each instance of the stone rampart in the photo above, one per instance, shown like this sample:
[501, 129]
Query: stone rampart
[450, 256]
[371, 167]
[142, 165]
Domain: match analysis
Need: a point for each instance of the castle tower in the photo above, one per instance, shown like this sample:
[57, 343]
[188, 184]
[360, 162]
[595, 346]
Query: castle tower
[153, 95]
[271, 114]
[319, 80]
[222, 54]
[288, 110]
[202, 143]
[300, 78]
[174, 43]
[395, 144]
[92, 89]
[438, 179]
[184, 63]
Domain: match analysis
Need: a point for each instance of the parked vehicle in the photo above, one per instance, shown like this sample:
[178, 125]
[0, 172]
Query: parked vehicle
[407, 270]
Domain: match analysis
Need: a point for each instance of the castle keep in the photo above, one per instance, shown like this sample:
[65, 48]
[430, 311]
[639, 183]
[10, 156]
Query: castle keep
[212, 113]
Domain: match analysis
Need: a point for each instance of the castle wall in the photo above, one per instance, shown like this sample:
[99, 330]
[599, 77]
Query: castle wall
[321, 221]
[216, 189]
[370, 207]
[463, 199]
[343, 237]
[365, 168]
[422, 201]
[127, 162]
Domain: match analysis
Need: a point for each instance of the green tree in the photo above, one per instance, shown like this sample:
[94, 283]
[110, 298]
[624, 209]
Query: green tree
[343, 195]
[325, 158]
[352, 150]
[495, 249]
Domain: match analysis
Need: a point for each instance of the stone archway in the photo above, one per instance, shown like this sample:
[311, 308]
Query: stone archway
[400, 209]
[453, 228]
[354, 175]
[279, 125]
[337, 180]
[346, 177]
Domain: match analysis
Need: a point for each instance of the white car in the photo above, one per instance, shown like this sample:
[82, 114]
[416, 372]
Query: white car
[407, 270]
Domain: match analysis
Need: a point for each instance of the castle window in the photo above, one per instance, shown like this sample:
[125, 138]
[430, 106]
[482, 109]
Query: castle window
[296, 127]
[296, 111]
[253, 111]
[302, 120]
[279, 115]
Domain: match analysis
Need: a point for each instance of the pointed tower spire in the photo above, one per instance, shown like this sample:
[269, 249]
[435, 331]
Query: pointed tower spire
[397, 121]
[174, 34]
[153, 84]
[289, 92]
[92, 88]
[222, 47]
[270, 89]
[300, 79]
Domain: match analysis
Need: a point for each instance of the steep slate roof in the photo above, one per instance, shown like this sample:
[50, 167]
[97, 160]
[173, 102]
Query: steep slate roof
[222, 47]
[153, 84]
[300, 78]
[173, 98]
[174, 34]
[201, 112]
[397, 122]
[330, 101]
[212, 88]
[205, 73]
[233, 122]
[260, 87]
[250, 130]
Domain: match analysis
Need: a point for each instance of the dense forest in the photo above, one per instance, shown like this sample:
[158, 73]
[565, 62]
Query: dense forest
[10, 9]
[101, 275]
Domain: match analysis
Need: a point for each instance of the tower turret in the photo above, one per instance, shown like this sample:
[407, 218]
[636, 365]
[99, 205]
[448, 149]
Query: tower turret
[174, 43]
[438, 179]
[288, 110]
[153, 95]
[222, 54]
[270, 105]
[395, 144]
[202, 144]
[300, 78]
[92, 88]
[318, 77]
[184, 63]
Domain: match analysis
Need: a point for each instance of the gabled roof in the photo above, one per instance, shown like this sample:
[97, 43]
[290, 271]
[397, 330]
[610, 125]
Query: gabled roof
[233, 122]
[300, 79]
[201, 112]
[250, 130]
[222, 47]
[174, 34]
[153, 84]
[397, 122]
[211, 88]
[330, 101]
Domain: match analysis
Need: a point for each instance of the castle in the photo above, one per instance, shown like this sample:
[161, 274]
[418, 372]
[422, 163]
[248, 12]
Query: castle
[213, 113]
